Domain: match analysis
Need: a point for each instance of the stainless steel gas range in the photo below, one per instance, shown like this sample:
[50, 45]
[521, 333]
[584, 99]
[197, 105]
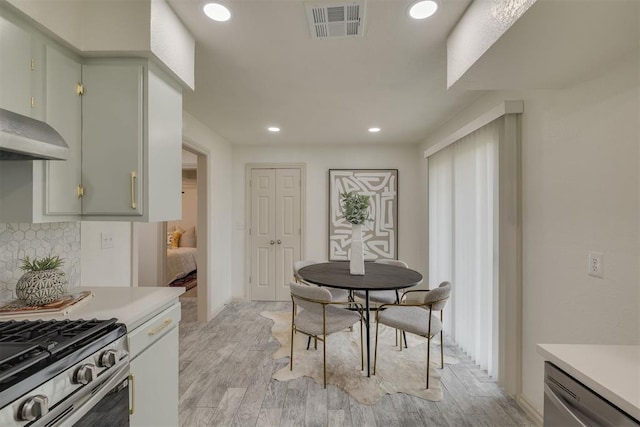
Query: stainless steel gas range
[64, 373]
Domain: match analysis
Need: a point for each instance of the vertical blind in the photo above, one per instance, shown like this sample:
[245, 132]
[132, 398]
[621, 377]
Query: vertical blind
[463, 225]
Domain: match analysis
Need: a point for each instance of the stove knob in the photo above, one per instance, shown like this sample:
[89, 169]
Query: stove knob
[85, 374]
[34, 408]
[109, 358]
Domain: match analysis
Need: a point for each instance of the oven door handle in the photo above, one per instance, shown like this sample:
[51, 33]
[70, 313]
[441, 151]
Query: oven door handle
[66, 415]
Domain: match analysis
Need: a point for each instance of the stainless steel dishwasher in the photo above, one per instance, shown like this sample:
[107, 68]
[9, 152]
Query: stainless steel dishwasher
[568, 403]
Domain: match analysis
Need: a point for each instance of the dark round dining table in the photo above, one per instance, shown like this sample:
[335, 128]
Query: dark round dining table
[377, 277]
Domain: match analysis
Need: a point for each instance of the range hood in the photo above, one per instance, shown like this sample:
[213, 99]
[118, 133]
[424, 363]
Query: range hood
[24, 138]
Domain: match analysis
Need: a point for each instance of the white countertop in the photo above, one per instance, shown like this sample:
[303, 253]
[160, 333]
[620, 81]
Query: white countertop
[612, 371]
[131, 306]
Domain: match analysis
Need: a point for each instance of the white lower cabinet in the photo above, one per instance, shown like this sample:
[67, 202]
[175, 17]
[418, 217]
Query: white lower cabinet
[154, 371]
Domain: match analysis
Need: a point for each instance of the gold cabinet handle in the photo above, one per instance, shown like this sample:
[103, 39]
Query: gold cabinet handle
[161, 327]
[80, 191]
[133, 190]
[133, 393]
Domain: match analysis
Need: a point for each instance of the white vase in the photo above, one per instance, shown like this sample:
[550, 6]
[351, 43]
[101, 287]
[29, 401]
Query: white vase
[356, 262]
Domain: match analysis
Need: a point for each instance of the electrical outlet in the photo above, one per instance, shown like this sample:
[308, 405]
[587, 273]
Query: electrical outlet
[596, 264]
[106, 240]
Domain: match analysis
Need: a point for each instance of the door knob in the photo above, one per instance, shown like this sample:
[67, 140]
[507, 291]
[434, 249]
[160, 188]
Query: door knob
[272, 242]
[279, 241]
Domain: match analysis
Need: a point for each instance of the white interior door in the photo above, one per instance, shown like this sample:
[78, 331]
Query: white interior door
[263, 234]
[275, 231]
[288, 232]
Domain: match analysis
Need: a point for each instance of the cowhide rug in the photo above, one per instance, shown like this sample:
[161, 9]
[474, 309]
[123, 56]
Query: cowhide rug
[397, 371]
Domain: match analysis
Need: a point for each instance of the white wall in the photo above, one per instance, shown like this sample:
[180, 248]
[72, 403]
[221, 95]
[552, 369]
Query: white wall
[219, 219]
[171, 42]
[105, 267]
[119, 27]
[318, 160]
[64, 18]
[94, 26]
[581, 192]
[482, 24]
[148, 249]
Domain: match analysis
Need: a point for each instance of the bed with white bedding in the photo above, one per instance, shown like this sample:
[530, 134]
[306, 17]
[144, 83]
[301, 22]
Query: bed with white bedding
[180, 262]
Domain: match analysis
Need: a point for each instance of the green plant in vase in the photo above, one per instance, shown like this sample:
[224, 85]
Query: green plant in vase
[43, 281]
[355, 209]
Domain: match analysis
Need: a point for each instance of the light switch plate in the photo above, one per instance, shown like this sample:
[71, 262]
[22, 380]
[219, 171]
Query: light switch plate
[106, 240]
[596, 264]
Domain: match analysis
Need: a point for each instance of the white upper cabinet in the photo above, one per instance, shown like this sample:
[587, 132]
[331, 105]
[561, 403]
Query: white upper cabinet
[40, 80]
[131, 142]
[63, 111]
[122, 121]
[112, 134]
[15, 68]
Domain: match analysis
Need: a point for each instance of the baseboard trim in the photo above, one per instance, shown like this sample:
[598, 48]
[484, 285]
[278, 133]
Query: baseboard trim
[217, 310]
[528, 408]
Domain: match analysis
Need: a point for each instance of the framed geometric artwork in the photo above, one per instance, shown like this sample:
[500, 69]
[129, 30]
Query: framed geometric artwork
[380, 234]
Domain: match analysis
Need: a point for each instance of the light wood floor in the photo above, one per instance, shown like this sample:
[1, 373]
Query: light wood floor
[225, 380]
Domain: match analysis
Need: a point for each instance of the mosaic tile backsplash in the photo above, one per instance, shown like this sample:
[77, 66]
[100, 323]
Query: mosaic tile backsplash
[36, 240]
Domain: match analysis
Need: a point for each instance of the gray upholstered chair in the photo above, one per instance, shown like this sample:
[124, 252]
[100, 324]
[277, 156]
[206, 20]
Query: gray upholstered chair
[384, 297]
[320, 317]
[416, 318]
[336, 294]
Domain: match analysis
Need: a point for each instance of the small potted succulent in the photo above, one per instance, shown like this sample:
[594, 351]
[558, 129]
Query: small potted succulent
[355, 209]
[42, 281]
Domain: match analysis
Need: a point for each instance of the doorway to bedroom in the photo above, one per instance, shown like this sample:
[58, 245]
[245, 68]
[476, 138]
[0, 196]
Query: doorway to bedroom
[179, 258]
[181, 264]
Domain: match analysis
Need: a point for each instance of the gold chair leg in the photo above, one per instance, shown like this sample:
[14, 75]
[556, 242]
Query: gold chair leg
[442, 340]
[293, 316]
[441, 350]
[428, 361]
[375, 349]
[291, 358]
[361, 346]
[324, 359]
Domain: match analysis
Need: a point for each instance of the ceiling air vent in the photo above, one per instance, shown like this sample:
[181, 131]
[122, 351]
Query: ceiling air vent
[331, 20]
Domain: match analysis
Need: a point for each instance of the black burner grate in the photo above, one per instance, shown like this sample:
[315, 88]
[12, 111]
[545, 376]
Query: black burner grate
[55, 335]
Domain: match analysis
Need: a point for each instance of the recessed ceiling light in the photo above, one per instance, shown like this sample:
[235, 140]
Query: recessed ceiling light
[217, 12]
[374, 130]
[423, 9]
[273, 129]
